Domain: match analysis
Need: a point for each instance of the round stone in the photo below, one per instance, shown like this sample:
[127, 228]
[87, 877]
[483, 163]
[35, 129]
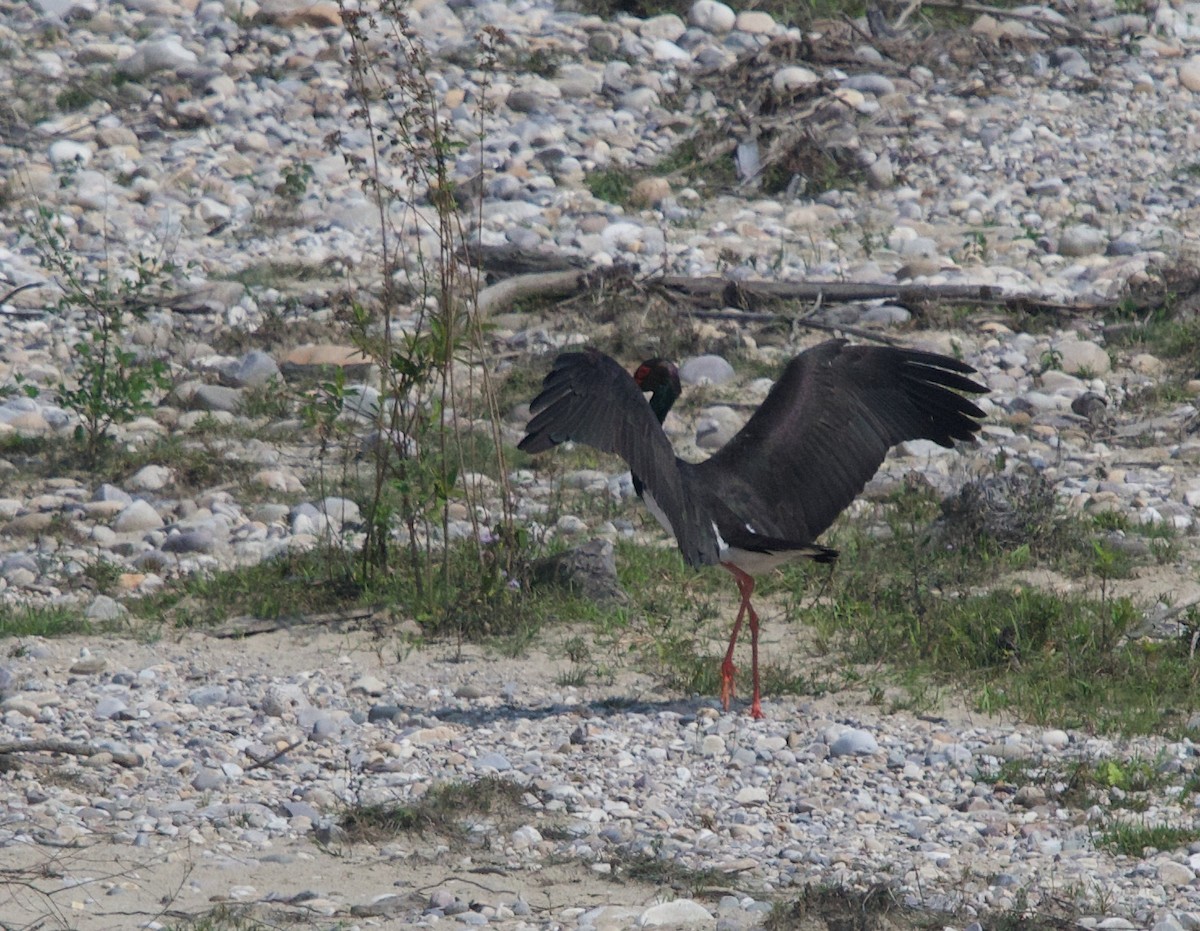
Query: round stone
[712, 16]
[137, 517]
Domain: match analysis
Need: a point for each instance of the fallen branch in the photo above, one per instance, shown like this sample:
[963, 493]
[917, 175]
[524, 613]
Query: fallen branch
[248, 626]
[749, 295]
[752, 296]
[54, 745]
[21, 312]
[1034, 18]
[268, 760]
[544, 285]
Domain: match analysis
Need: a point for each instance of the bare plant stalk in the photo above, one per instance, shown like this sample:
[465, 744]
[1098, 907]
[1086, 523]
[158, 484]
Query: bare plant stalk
[425, 419]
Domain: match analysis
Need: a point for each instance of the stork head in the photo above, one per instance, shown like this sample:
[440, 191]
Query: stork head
[660, 379]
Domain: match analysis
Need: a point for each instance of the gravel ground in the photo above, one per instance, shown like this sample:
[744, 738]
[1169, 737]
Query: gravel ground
[1053, 158]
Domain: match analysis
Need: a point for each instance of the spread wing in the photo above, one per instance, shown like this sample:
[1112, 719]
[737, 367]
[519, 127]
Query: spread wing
[588, 398]
[824, 430]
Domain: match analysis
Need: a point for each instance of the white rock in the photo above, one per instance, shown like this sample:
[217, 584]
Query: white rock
[158, 55]
[150, 478]
[666, 52]
[754, 22]
[570, 525]
[706, 369]
[1189, 74]
[139, 516]
[667, 26]
[65, 152]
[793, 78]
[1175, 874]
[854, 742]
[526, 836]
[1081, 355]
[712, 745]
[1055, 739]
[677, 913]
[712, 16]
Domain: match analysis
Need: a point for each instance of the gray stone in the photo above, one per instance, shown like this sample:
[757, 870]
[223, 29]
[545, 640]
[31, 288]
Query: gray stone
[1081, 355]
[104, 608]
[207, 695]
[523, 101]
[717, 426]
[340, 510]
[110, 707]
[1175, 874]
[589, 570]
[209, 778]
[19, 570]
[190, 541]
[1080, 240]
[876, 84]
[255, 369]
[854, 742]
[280, 699]
[157, 55]
[708, 368]
[215, 398]
[107, 492]
[496, 761]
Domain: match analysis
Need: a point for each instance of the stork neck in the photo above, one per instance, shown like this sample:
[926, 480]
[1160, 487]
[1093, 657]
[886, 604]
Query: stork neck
[662, 400]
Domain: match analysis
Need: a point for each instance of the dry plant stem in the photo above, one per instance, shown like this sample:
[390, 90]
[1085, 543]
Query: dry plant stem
[431, 379]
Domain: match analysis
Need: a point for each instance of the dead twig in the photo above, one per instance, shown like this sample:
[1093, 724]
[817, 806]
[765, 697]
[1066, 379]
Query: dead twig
[259, 762]
[248, 626]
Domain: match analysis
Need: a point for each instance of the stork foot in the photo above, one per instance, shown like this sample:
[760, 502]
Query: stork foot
[728, 671]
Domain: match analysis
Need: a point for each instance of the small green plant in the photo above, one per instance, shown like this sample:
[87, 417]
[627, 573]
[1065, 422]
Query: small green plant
[1131, 840]
[103, 574]
[74, 98]
[447, 809]
[613, 185]
[975, 247]
[1051, 360]
[222, 918]
[113, 384]
[26, 621]
[294, 185]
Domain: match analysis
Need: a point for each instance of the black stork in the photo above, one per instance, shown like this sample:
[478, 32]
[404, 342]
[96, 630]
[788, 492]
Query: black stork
[799, 461]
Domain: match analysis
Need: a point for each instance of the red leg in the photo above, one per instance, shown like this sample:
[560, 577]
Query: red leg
[745, 583]
[727, 668]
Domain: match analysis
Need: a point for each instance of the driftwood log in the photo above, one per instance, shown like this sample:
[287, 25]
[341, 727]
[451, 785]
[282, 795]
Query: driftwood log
[716, 297]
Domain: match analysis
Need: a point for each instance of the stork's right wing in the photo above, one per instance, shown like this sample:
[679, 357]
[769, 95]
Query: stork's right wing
[588, 398]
